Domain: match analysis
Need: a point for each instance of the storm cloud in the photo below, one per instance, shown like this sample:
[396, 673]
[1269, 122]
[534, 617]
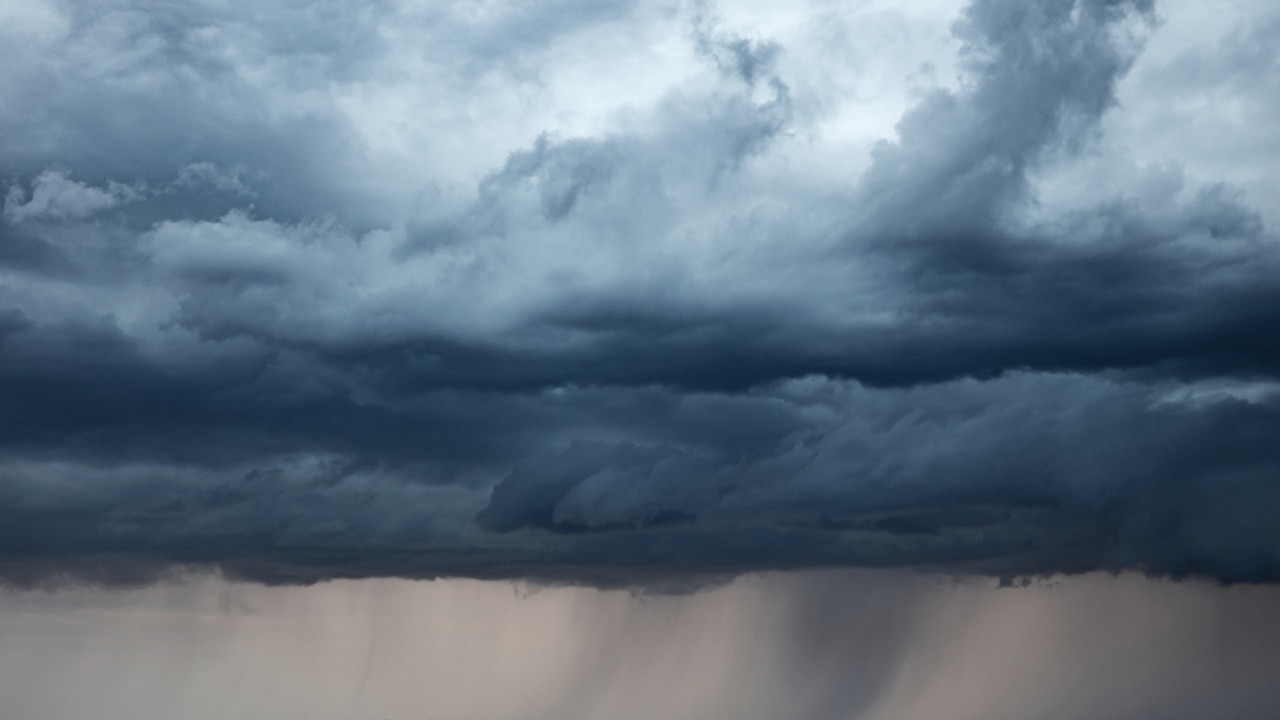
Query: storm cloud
[624, 294]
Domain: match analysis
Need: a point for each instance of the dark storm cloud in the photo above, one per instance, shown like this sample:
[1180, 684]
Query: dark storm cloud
[634, 357]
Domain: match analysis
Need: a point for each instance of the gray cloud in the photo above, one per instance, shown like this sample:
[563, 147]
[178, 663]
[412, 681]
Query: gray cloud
[55, 196]
[234, 335]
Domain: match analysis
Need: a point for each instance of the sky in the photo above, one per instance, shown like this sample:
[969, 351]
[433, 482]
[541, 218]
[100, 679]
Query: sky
[816, 645]
[612, 317]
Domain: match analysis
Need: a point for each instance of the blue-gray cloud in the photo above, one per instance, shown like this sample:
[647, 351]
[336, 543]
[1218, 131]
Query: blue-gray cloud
[645, 355]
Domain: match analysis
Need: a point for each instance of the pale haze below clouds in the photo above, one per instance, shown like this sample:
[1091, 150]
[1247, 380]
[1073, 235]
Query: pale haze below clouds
[815, 646]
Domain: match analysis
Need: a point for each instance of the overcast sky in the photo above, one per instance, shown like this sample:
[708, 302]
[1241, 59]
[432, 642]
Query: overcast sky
[631, 293]
[648, 295]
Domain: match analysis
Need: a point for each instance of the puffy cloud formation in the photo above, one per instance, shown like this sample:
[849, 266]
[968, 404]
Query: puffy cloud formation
[621, 293]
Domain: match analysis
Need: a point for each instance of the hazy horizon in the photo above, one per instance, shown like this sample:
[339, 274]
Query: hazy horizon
[829, 644]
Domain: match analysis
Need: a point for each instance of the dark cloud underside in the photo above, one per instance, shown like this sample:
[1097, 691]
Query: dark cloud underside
[637, 356]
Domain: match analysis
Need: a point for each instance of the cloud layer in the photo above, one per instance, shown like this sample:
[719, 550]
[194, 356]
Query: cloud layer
[596, 292]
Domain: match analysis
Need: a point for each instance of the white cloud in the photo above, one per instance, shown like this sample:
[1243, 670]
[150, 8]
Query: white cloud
[55, 196]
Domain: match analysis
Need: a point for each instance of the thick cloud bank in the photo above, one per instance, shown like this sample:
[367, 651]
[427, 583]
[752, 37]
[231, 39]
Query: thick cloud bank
[621, 293]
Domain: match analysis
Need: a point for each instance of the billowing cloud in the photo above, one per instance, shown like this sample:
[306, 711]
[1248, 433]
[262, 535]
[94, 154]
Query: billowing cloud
[55, 196]
[331, 293]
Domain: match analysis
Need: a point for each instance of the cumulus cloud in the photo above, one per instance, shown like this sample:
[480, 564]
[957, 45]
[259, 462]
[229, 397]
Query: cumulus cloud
[662, 342]
[55, 196]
